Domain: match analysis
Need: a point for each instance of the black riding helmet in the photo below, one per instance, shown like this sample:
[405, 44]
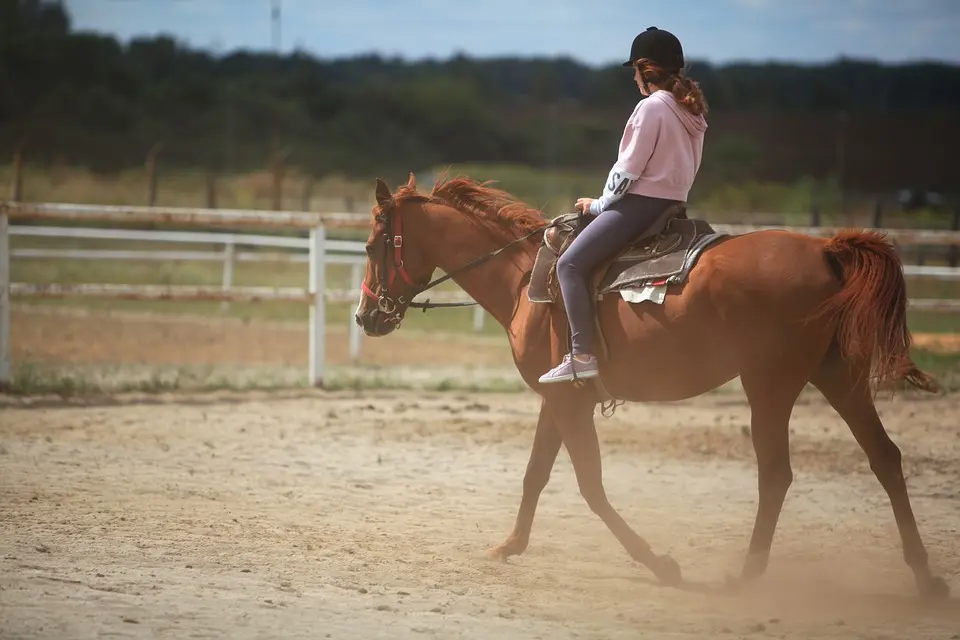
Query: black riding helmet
[658, 46]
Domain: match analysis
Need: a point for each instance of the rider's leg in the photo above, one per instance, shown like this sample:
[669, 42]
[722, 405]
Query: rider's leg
[606, 234]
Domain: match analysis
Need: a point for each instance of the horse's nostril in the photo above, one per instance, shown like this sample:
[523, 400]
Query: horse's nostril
[356, 318]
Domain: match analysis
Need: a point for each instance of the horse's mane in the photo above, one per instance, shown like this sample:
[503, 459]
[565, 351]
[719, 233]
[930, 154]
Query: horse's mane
[484, 203]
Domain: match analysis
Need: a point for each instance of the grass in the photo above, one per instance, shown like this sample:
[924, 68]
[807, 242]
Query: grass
[188, 188]
[34, 379]
[945, 367]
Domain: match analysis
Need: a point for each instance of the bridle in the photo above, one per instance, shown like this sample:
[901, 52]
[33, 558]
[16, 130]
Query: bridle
[392, 237]
[392, 306]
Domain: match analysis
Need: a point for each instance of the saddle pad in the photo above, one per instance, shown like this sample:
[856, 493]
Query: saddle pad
[654, 293]
[671, 268]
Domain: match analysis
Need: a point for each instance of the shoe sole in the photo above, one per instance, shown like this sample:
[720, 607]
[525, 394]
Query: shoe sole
[585, 375]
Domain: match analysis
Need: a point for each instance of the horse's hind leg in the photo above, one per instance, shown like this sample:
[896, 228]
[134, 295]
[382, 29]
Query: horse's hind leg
[845, 387]
[771, 392]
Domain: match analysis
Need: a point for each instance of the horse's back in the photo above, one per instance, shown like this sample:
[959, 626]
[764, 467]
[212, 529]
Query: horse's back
[769, 265]
[748, 293]
[753, 270]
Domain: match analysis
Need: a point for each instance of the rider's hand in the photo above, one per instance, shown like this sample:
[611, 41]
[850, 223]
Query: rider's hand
[583, 204]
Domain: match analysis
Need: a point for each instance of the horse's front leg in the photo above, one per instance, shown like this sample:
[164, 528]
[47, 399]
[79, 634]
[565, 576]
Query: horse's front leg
[572, 412]
[546, 444]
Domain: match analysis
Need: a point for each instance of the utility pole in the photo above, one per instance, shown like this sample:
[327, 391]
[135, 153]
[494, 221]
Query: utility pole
[277, 160]
[275, 20]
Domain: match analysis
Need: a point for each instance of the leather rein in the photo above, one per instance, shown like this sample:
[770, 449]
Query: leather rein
[393, 238]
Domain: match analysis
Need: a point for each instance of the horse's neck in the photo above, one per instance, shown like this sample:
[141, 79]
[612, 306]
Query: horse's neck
[496, 284]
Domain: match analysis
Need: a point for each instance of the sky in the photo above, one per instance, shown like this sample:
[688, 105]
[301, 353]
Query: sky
[595, 32]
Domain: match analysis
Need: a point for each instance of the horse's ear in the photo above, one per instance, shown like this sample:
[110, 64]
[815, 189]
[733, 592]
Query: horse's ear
[412, 182]
[383, 193]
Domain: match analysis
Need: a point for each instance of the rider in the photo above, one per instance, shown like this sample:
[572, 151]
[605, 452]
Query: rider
[659, 157]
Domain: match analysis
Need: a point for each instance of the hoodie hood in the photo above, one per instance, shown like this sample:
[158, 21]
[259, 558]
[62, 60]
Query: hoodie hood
[695, 125]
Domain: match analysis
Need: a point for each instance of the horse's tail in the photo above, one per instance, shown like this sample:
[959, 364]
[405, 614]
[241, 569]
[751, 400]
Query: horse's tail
[871, 308]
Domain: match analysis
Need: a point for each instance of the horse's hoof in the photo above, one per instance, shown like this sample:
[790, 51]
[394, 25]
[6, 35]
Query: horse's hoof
[668, 571]
[754, 566]
[498, 553]
[933, 587]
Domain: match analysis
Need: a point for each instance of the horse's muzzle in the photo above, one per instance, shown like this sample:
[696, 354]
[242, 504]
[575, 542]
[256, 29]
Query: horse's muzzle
[374, 323]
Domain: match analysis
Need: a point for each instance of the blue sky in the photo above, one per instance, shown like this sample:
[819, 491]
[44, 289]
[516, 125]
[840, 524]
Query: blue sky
[592, 31]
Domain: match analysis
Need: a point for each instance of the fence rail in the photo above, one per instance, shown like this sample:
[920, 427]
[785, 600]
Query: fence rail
[185, 237]
[197, 293]
[181, 216]
[345, 252]
[313, 248]
[174, 256]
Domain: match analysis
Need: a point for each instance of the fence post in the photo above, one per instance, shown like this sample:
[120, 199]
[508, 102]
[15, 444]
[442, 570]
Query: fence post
[478, 315]
[815, 216]
[151, 166]
[211, 189]
[277, 171]
[356, 280]
[318, 287]
[16, 186]
[953, 256]
[877, 222]
[6, 367]
[307, 196]
[229, 259]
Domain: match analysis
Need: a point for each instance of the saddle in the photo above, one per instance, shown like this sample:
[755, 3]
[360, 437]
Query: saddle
[663, 254]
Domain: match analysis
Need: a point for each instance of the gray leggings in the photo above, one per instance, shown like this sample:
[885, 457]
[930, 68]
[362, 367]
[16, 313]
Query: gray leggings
[607, 233]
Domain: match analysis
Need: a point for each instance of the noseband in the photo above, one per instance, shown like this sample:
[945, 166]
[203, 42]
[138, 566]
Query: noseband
[392, 237]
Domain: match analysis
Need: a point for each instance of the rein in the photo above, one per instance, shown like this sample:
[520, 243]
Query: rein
[393, 237]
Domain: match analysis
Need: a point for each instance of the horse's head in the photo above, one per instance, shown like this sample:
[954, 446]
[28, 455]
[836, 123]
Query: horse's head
[396, 266]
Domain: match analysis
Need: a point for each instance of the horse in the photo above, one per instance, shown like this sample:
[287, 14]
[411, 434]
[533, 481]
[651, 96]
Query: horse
[777, 308]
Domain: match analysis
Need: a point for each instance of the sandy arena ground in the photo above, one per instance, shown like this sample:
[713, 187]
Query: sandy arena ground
[347, 515]
[367, 515]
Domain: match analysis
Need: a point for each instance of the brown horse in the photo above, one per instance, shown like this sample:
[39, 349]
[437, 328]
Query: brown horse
[778, 309]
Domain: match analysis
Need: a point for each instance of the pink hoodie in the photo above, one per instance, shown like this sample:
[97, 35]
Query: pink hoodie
[660, 152]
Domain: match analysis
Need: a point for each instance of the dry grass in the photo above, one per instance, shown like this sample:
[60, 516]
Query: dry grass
[189, 189]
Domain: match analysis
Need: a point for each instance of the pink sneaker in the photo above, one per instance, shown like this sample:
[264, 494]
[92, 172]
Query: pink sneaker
[586, 366]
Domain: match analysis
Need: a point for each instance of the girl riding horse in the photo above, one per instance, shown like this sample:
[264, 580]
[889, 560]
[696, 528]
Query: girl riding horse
[659, 157]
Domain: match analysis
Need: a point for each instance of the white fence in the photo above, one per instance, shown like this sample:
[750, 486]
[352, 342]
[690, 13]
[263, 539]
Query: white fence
[316, 250]
[292, 249]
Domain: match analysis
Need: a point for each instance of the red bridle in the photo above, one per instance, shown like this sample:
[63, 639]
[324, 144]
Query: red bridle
[393, 237]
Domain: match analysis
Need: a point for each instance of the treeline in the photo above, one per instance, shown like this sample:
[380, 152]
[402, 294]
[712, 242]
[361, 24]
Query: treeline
[85, 98]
